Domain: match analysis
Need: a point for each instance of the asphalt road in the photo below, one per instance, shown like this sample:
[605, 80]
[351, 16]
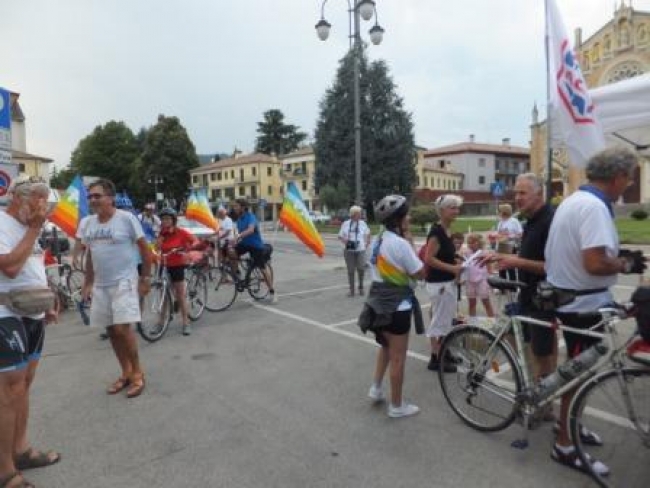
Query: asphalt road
[266, 396]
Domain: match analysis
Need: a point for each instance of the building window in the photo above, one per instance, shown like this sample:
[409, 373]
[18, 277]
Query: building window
[219, 176]
[304, 185]
[269, 190]
[242, 191]
[21, 167]
[303, 165]
[232, 174]
[481, 162]
[214, 194]
[269, 171]
[441, 164]
[213, 176]
[241, 174]
[217, 193]
[254, 171]
[253, 191]
[195, 179]
[205, 180]
[481, 180]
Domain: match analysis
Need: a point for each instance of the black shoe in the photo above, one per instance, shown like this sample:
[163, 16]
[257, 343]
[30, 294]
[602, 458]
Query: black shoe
[433, 363]
[103, 336]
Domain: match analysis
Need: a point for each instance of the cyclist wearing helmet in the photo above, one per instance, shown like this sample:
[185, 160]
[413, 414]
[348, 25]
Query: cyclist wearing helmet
[391, 301]
[173, 241]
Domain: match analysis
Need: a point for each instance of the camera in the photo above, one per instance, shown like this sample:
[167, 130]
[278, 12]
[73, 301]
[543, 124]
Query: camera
[351, 246]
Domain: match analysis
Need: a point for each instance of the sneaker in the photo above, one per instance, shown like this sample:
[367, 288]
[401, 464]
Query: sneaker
[573, 461]
[587, 437]
[639, 351]
[404, 410]
[376, 393]
[187, 330]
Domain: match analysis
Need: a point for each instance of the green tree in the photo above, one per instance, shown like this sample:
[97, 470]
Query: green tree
[276, 137]
[109, 152]
[61, 179]
[422, 215]
[335, 198]
[167, 153]
[387, 142]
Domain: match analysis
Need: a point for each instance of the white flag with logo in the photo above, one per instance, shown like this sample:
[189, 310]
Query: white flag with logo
[572, 113]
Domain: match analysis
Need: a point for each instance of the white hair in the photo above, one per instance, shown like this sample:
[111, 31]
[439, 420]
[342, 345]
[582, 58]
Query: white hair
[446, 201]
[355, 209]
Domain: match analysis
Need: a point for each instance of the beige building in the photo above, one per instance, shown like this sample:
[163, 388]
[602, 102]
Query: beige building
[300, 168]
[436, 174]
[29, 164]
[620, 49]
[255, 177]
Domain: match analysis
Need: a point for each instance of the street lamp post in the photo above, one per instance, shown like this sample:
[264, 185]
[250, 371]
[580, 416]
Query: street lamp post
[156, 180]
[362, 9]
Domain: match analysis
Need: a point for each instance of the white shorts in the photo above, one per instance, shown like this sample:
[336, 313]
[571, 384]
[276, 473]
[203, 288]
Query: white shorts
[443, 307]
[113, 305]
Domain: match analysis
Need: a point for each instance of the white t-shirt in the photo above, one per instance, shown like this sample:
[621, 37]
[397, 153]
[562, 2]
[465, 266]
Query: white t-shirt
[153, 221]
[349, 231]
[226, 225]
[581, 222]
[32, 273]
[112, 245]
[512, 227]
[394, 263]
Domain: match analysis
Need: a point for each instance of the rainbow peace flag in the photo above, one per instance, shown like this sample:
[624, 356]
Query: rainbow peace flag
[295, 216]
[198, 209]
[71, 208]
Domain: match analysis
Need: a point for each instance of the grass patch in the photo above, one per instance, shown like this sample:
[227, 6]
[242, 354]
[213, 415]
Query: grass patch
[632, 231]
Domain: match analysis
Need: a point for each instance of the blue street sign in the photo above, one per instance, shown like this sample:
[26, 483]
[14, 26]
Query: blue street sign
[5, 110]
[497, 189]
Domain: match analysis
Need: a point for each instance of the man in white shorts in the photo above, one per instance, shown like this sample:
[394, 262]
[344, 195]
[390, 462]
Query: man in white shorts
[111, 236]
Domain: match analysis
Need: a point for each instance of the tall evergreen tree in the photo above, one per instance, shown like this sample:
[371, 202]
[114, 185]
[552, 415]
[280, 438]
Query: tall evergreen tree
[387, 142]
[168, 153]
[276, 137]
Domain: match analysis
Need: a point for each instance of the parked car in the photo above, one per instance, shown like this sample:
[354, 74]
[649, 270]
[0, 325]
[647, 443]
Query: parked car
[194, 228]
[317, 216]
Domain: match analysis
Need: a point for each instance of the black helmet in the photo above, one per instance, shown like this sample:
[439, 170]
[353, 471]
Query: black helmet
[168, 212]
[390, 206]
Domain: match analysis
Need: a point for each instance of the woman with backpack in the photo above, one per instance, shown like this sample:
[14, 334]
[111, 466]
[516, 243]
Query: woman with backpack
[444, 269]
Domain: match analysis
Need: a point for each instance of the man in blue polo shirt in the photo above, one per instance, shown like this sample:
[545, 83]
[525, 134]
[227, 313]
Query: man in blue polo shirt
[250, 241]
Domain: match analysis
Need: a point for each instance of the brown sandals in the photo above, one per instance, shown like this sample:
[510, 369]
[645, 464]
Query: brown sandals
[32, 458]
[118, 385]
[137, 386]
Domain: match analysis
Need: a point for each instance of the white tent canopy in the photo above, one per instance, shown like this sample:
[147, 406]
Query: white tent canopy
[623, 109]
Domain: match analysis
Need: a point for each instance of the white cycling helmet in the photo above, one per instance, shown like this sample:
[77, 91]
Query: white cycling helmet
[390, 206]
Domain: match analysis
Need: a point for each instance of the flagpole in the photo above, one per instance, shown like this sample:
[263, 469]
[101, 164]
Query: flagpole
[549, 149]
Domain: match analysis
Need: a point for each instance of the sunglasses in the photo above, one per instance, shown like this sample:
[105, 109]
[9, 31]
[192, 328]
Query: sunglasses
[95, 196]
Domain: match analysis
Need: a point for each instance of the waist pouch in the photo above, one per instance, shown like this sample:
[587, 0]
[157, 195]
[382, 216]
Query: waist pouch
[28, 301]
[549, 298]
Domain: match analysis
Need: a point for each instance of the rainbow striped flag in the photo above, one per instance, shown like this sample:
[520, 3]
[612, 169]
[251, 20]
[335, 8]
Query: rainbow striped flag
[295, 216]
[71, 208]
[198, 209]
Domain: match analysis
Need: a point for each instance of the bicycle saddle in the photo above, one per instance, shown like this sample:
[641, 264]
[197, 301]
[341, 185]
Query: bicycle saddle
[503, 284]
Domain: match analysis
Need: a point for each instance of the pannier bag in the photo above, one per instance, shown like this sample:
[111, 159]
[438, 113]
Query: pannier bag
[641, 300]
[28, 301]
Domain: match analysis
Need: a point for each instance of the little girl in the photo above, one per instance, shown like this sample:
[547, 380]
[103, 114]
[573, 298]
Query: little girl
[476, 285]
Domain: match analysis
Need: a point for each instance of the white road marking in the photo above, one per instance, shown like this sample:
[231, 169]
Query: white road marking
[313, 290]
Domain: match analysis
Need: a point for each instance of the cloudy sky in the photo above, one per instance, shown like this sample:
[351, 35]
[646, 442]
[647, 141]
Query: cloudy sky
[462, 66]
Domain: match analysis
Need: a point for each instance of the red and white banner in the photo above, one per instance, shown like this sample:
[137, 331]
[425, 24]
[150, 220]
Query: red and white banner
[572, 113]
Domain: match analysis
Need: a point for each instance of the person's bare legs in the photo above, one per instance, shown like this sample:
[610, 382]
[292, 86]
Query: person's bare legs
[487, 305]
[13, 389]
[397, 345]
[125, 346]
[381, 365]
[471, 307]
[181, 298]
[22, 414]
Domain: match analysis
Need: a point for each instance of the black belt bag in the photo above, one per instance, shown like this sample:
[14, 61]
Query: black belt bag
[549, 298]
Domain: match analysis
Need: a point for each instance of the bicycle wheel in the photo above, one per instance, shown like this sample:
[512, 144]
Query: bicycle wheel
[258, 288]
[221, 289]
[483, 390]
[197, 295]
[156, 313]
[74, 282]
[615, 405]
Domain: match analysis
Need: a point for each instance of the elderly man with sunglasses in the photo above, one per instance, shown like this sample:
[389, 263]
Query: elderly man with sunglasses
[21, 335]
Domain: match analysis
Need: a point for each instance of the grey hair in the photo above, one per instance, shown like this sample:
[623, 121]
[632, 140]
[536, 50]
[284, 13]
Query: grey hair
[446, 201]
[27, 186]
[614, 161]
[535, 181]
[355, 209]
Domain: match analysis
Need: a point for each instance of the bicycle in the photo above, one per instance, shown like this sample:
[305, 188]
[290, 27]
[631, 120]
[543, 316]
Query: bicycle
[66, 284]
[224, 283]
[493, 387]
[159, 305]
